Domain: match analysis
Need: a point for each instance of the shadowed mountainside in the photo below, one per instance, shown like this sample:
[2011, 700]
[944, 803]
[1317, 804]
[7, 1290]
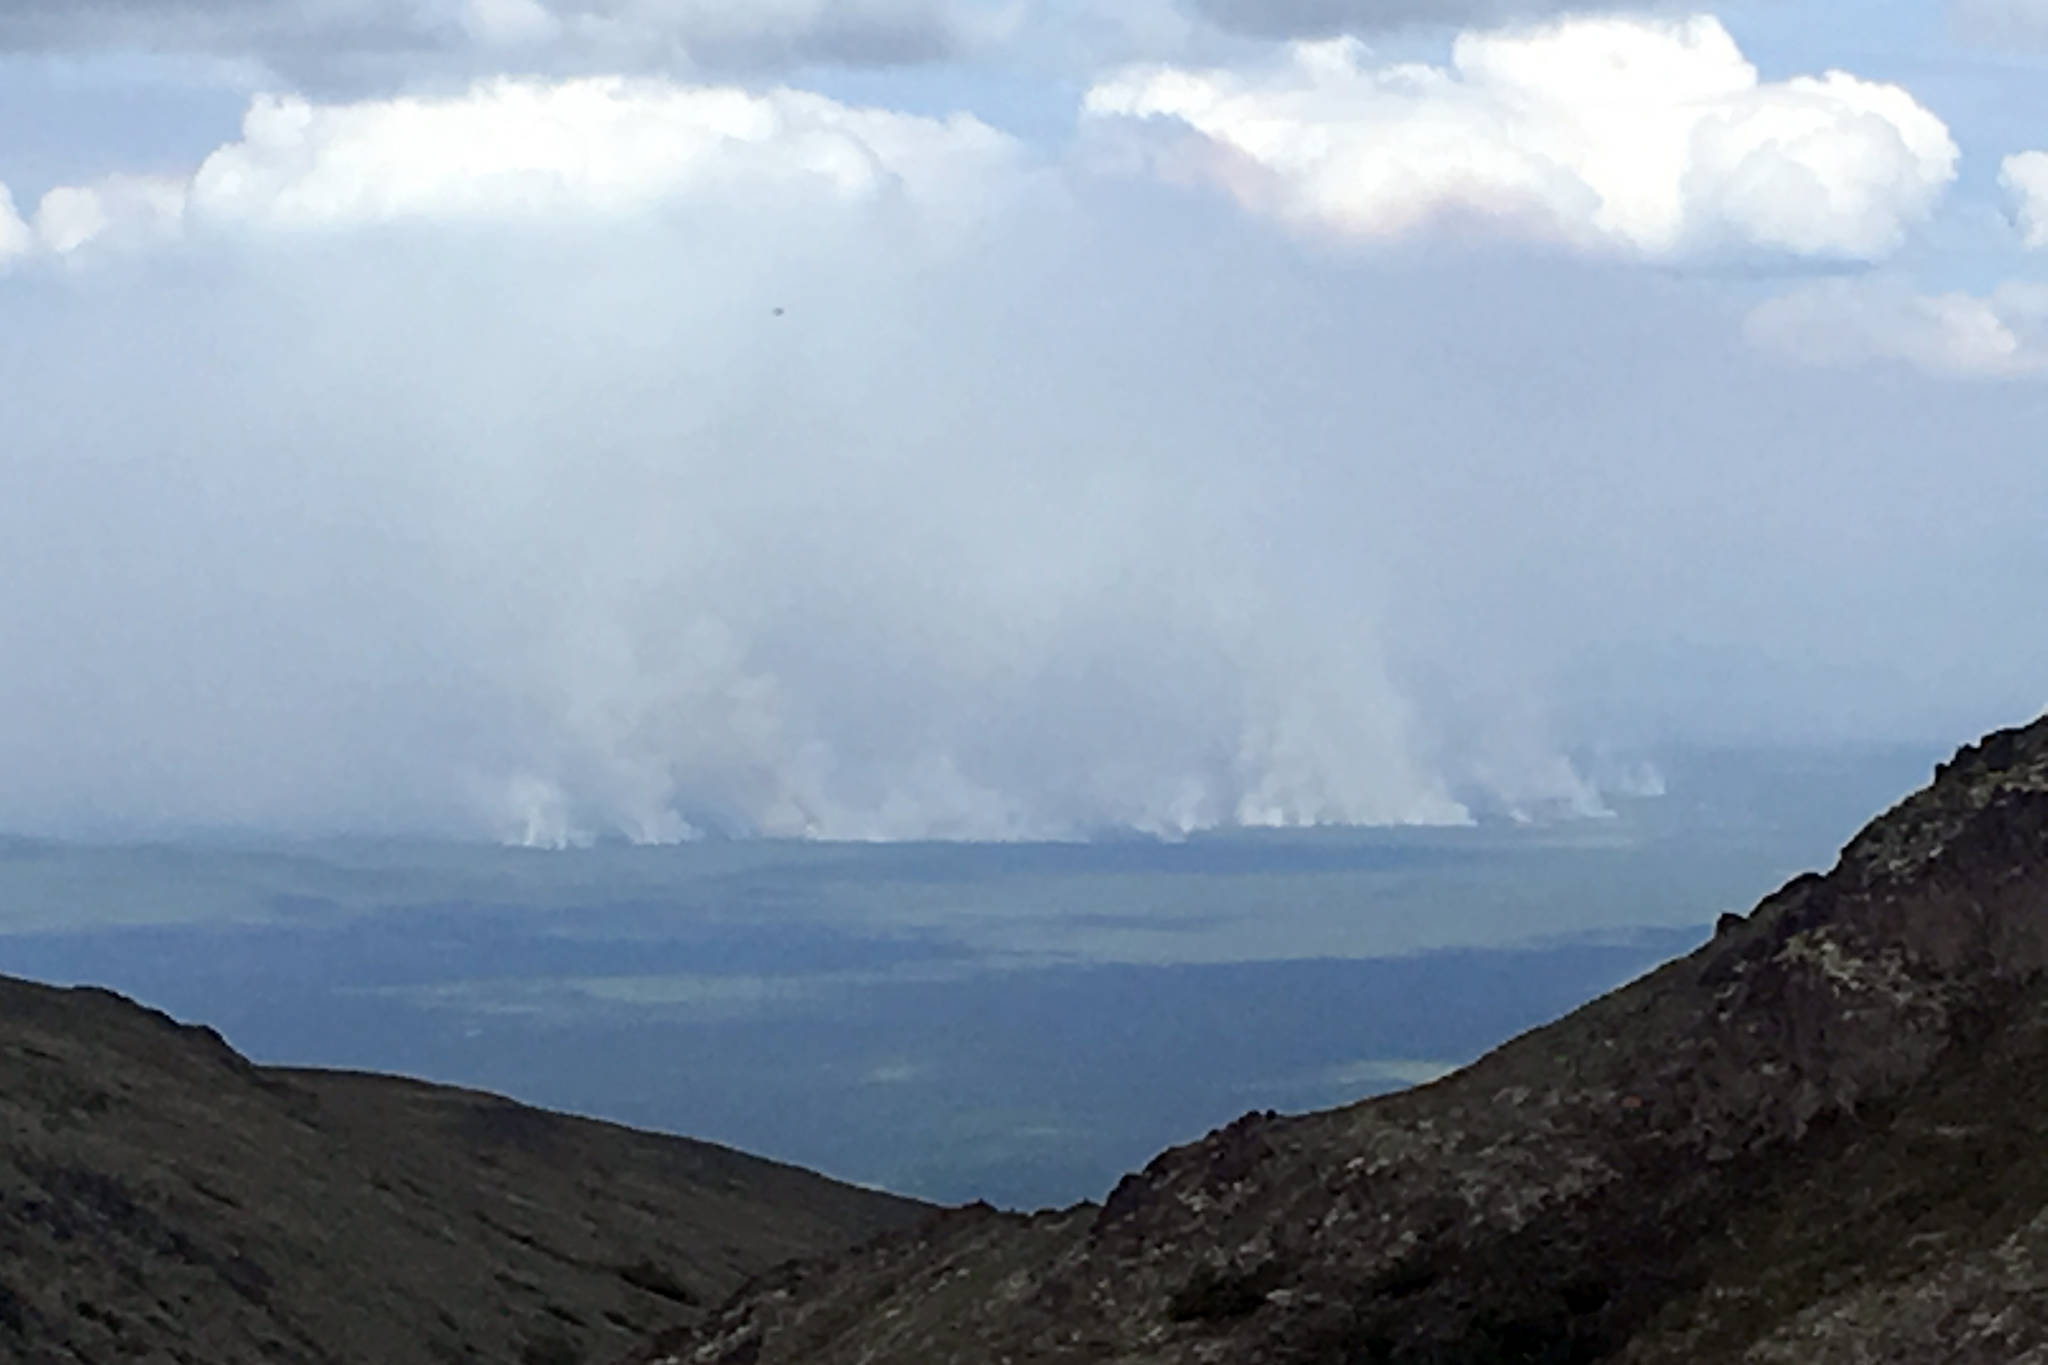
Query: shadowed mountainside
[1816, 1139]
[162, 1199]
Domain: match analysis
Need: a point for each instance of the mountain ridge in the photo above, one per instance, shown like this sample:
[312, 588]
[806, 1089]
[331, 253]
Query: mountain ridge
[163, 1198]
[1581, 1193]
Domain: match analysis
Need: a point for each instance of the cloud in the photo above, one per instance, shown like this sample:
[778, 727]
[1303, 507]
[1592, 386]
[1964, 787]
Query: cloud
[1648, 137]
[130, 209]
[16, 237]
[1888, 319]
[352, 42]
[715, 35]
[567, 459]
[797, 591]
[1326, 18]
[2025, 177]
[601, 146]
[2000, 335]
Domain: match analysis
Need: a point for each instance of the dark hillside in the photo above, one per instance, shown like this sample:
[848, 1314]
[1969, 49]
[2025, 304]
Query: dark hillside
[161, 1199]
[1816, 1139]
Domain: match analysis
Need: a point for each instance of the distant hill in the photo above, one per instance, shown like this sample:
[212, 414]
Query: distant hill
[163, 1200]
[1822, 1138]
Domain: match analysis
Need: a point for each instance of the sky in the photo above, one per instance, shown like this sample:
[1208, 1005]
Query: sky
[554, 420]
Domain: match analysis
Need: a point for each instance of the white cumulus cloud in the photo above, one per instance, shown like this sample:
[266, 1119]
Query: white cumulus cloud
[16, 237]
[1999, 335]
[2025, 176]
[511, 148]
[1650, 136]
[132, 208]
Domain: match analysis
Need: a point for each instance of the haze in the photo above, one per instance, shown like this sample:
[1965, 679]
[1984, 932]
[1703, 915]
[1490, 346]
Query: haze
[565, 421]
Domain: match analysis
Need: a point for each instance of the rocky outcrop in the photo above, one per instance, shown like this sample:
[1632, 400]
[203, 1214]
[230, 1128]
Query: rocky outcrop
[1814, 1139]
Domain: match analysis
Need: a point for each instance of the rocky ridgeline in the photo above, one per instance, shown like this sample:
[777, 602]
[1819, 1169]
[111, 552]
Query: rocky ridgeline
[1818, 1138]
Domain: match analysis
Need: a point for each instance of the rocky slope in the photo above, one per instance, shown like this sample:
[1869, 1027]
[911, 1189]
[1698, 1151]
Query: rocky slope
[163, 1200]
[1819, 1138]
